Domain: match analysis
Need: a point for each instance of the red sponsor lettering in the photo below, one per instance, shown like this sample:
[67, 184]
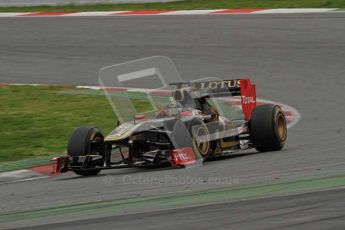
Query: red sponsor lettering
[183, 156]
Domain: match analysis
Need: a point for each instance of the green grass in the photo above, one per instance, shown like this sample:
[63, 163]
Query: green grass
[185, 5]
[38, 120]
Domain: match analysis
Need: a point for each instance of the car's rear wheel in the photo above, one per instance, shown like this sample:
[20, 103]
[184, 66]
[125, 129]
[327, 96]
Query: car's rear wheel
[268, 128]
[86, 141]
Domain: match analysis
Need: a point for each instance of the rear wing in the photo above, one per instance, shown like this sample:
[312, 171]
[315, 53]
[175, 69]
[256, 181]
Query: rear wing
[221, 88]
[248, 97]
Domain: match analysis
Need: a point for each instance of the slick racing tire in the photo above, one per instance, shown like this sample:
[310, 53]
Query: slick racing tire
[86, 141]
[268, 128]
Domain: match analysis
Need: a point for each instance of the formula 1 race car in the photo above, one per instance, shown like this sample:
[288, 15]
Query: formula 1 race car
[188, 130]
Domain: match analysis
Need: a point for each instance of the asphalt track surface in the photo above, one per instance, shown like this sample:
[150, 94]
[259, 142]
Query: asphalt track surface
[295, 59]
[316, 210]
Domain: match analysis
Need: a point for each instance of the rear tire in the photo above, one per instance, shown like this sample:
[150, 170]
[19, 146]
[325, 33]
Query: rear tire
[85, 141]
[268, 128]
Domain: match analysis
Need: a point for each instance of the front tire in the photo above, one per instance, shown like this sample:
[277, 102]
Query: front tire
[83, 142]
[268, 128]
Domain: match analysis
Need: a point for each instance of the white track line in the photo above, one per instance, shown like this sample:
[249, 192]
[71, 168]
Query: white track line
[188, 12]
[293, 11]
[15, 174]
[95, 13]
[9, 15]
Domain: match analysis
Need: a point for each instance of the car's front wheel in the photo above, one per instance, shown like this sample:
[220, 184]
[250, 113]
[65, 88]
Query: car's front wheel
[86, 141]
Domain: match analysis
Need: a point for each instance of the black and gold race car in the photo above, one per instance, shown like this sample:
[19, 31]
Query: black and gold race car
[190, 129]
